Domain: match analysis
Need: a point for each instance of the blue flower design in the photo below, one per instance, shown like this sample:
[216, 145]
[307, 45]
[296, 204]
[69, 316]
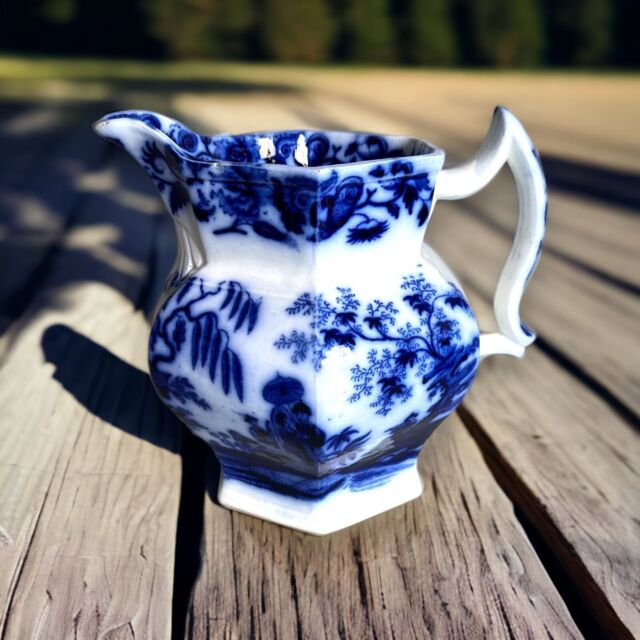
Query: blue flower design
[245, 198]
[285, 146]
[295, 198]
[232, 149]
[318, 148]
[338, 204]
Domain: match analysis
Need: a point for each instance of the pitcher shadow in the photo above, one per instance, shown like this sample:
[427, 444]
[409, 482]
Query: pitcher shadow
[123, 396]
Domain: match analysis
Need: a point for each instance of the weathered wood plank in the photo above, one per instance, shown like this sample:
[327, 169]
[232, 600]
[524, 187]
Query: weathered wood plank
[37, 204]
[453, 563]
[453, 109]
[572, 466]
[599, 238]
[566, 458]
[89, 474]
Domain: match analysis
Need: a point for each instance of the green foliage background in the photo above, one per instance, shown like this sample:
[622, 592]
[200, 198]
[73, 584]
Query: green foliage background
[494, 33]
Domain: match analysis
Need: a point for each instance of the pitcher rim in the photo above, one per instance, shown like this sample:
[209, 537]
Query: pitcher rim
[435, 155]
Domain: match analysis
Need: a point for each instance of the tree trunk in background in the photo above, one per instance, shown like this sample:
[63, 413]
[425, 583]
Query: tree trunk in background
[505, 33]
[186, 28]
[296, 30]
[426, 34]
[580, 31]
[367, 31]
[235, 22]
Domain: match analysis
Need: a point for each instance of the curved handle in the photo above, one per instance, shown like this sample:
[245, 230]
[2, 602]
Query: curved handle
[506, 142]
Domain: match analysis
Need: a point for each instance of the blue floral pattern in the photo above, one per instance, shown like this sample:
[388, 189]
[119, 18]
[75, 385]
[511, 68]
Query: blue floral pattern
[411, 362]
[239, 195]
[310, 362]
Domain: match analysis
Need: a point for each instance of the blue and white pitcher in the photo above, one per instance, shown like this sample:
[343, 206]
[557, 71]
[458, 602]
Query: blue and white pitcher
[306, 331]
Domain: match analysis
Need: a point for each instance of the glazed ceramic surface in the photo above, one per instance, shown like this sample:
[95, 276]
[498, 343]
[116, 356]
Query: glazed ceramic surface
[306, 332]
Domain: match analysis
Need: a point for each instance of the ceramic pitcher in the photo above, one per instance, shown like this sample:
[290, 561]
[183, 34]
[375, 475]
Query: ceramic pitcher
[306, 332]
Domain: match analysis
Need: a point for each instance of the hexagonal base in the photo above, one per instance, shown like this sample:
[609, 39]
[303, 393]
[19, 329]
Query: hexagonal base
[319, 517]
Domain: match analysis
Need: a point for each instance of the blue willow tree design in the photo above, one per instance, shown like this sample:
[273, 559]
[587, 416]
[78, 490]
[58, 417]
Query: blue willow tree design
[429, 347]
[209, 343]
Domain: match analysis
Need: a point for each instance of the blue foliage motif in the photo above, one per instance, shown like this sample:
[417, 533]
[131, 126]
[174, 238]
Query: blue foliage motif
[286, 450]
[187, 321]
[245, 197]
[423, 348]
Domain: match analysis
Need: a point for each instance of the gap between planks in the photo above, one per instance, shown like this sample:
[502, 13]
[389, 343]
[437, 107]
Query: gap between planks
[574, 481]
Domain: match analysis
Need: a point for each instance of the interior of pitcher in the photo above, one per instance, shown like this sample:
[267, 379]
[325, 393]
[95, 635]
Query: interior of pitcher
[297, 147]
[294, 147]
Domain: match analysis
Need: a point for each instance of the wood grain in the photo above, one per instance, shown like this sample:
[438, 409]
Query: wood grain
[89, 474]
[568, 461]
[38, 198]
[571, 465]
[89, 465]
[453, 563]
[596, 237]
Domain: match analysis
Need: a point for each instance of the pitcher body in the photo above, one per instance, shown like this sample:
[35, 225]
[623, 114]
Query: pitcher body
[305, 334]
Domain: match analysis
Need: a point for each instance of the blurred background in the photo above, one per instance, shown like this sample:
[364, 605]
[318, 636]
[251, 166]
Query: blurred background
[501, 33]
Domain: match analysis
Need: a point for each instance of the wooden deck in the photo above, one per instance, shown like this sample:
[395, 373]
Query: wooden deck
[529, 525]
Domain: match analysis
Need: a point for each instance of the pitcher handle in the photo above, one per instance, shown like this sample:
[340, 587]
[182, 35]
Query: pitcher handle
[506, 142]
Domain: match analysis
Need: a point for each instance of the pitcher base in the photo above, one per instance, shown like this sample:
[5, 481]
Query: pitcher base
[338, 510]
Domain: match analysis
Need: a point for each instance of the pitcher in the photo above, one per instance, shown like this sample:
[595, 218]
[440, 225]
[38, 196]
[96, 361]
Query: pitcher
[306, 332]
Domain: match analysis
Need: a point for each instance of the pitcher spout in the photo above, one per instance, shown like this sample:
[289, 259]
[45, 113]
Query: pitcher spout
[124, 127]
[147, 138]
[132, 130]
